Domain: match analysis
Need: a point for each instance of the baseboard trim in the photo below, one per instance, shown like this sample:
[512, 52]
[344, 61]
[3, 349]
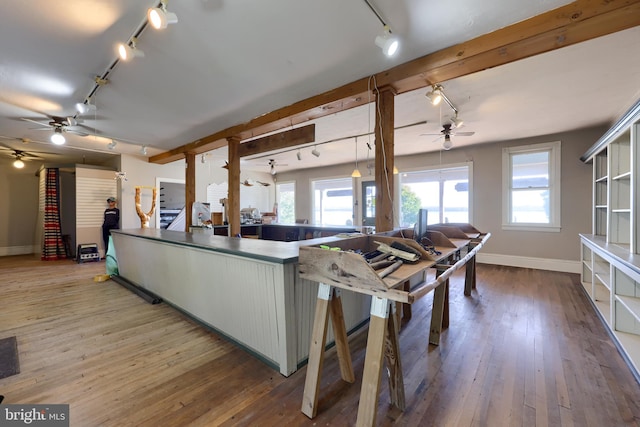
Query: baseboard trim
[17, 250]
[563, 265]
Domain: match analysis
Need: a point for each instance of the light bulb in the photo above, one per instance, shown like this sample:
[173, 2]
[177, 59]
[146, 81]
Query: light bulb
[57, 137]
[18, 164]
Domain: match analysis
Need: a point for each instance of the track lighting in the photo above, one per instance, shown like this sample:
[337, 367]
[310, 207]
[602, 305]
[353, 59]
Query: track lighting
[57, 137]
[435, 96]
[456, 122]
[85, 107]
[299, 155]
[112, 145]
[315, 152]
[143, 150]
[18, 164]
[159, 17]
[126, 52]
[388, 42]
[447, 144]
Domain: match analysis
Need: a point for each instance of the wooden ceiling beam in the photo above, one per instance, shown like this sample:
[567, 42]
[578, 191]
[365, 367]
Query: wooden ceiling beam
[279, 141]
[576, 22]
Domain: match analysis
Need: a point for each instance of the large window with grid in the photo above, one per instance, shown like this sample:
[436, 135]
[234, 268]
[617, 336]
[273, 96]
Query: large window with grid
[531, 187]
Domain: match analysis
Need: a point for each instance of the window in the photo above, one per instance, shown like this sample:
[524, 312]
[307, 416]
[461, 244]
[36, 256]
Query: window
[443, 192]
[531, 187]
[333, 202]
[286, 199]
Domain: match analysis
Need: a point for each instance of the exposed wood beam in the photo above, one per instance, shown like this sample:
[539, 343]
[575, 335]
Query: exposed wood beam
[286, 139]
[579, 21]
[190, 188]
[384, 150]
[233, 204]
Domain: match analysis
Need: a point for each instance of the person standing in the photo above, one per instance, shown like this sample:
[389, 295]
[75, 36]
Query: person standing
[111, 221]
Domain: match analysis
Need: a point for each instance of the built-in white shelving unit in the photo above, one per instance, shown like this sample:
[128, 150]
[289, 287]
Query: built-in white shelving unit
[611, 254]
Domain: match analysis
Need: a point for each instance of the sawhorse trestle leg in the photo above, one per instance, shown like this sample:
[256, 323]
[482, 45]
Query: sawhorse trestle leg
[328, 301]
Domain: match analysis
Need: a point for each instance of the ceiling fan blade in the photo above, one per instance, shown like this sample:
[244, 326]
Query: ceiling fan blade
[463, 133]
[75, 132]
[430, 134]
[36, 122]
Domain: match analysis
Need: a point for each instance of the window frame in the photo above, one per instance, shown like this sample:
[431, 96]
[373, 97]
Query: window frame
[436, 168]
[554, 149]
[277, 196]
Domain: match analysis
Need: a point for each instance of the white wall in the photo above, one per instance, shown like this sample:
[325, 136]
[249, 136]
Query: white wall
[487, 194]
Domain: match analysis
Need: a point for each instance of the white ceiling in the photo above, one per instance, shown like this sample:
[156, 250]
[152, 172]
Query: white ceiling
[227, 62]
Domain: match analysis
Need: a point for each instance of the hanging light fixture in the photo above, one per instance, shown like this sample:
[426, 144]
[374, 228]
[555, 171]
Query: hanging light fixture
[18, 163]
[356, 172]
[143, 150]
[128, 51]
[447, 144]
[315, 152]
[395, 170]
[299, 155]
[159, 17]
[57, 137]
[112, 145]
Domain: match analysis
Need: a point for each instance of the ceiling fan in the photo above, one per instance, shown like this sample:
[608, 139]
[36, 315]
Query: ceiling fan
[59, 125]
[446, 132]
[20, 155]
[273, 164]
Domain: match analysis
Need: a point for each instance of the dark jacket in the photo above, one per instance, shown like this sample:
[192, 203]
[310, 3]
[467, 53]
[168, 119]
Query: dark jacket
[111, 218]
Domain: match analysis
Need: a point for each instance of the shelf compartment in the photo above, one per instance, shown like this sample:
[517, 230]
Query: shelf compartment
[620, 227]
[627, 315]
[631, 345]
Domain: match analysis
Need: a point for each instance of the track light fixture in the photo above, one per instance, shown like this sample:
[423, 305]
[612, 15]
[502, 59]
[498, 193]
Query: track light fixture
[128, 51]
[435, 96]
[299, 155]
[159, 17]
[388, 42]
[18, 164]
[57, 137]
[143, 150]
[112, 145]
[315, 152]
[456, 122]
[85, 107]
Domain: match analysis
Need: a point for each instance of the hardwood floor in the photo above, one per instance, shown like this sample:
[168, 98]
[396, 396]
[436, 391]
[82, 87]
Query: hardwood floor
[525, 349]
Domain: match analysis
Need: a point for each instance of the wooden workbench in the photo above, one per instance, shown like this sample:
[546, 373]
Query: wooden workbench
[343, 269]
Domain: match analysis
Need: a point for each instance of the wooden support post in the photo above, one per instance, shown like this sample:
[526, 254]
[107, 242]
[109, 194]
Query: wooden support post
[190, 187]
[340, 335]
[233, 208]
[384, 158]
[316, 352]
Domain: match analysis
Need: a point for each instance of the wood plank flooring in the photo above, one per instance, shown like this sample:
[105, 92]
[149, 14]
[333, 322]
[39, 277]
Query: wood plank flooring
[526, 349]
